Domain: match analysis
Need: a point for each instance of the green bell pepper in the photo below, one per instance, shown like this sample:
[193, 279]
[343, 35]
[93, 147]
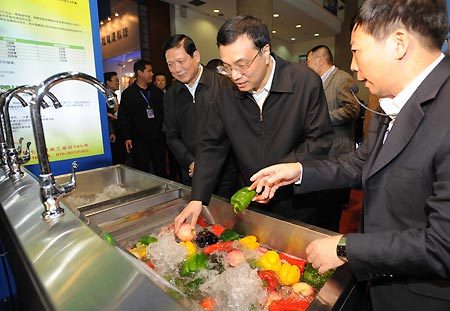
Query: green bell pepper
[313, 278]
[109, 238]
[193, 264]
[241, 199]
[229, 235]
[146, 240]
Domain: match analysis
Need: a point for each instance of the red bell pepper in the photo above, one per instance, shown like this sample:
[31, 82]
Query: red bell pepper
[202, 222]
[149, 263]
[219, 246]
[207, 304]
[270, 279]
[289, 304]
[300, 263]
[217, 230]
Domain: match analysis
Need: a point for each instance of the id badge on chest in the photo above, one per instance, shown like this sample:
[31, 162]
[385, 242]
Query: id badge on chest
[150, 113]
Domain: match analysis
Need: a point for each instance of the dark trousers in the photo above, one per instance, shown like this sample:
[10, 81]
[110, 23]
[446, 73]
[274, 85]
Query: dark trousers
[118, 152]
[330, 204]
[149, 151]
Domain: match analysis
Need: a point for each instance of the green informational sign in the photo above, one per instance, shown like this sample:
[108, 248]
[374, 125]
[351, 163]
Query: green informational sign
[39, 38]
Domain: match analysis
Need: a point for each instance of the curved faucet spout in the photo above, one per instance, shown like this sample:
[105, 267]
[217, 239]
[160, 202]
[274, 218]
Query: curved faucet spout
[51, 193]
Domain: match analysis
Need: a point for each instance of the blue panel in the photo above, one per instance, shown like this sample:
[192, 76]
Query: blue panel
[86, 163]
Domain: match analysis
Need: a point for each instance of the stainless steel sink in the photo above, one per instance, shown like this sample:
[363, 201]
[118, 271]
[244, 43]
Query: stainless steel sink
[110, 186]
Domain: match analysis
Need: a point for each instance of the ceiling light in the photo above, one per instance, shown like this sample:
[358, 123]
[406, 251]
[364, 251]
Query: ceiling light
[274, 31]
[298, 26]
[292, 39]
[276, 15]
[101, 23]
[116, 14]
[109, 19]
[316, 35]
[216, 11]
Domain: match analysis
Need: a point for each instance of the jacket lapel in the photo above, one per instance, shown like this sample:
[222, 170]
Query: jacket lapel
[401, 133]
[330, 78]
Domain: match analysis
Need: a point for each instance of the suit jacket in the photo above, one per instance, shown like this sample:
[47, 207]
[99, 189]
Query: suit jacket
[405, 248]
[343, 109]
[294, 120]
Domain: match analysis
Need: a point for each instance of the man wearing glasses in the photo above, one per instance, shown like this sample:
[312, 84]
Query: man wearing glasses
[277, 112]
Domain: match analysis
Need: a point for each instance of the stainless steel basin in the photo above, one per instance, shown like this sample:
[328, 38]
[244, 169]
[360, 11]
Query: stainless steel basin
[160, 210]
[110, 186]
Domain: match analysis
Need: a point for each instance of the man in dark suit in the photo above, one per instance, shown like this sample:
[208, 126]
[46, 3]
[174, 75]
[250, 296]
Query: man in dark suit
[404, 163]
[186, 107]
[270, 111]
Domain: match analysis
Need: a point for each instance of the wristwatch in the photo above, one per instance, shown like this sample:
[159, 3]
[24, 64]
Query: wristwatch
[341, 249]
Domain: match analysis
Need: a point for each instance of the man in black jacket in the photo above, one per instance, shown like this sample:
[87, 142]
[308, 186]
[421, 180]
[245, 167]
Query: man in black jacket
[141, 119]
[186, 106]
[277, 113]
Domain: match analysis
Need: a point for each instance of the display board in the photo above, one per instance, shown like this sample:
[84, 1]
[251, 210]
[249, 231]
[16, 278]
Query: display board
[40, 38]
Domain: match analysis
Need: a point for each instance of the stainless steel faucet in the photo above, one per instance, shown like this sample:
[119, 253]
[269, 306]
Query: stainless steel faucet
[14, 157]
[3, 144]
[50, 192]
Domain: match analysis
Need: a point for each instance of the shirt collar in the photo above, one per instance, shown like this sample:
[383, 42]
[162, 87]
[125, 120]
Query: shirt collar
[268, 84]
[327, 74]
[194, 86]
[392, 106]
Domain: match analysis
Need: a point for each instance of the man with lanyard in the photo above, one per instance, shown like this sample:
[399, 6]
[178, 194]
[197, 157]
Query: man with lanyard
[186, 106]
[141, 119]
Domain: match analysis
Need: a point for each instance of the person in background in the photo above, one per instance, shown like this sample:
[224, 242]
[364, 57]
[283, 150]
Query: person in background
[344, 111]
[160, 81]
[214, 63]
[141, 118]
[116, 142]
[403, 249]
[268, 111]
[187, 104]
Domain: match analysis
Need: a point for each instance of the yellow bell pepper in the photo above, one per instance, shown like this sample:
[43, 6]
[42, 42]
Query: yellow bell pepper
[140, 251]
[249, 242]
[289, 274]
[270, 261]
[190, 247]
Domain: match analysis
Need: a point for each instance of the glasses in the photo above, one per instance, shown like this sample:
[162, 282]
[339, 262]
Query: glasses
[226, 69]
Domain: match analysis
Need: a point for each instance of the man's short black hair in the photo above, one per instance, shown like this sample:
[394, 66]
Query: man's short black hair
[250, 26]
[326, 50]
[140, 65]
[107, 76]
[179, 40]
[428, 18]
[159, 73]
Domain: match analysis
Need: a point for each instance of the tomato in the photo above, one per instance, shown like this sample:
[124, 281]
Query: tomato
[207, 304]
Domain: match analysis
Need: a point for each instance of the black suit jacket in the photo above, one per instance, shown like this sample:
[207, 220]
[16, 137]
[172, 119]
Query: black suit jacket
[405, 248]
[294, 120]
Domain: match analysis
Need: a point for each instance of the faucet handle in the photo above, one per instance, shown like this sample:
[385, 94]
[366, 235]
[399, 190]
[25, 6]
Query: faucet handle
[26, 156]
[72, 183]
[19, 147]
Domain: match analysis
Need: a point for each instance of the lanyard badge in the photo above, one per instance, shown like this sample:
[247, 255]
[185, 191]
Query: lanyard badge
[150, 112]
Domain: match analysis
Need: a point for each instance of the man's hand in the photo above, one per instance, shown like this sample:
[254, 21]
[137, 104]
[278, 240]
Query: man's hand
[128, 145]
[269, 179]
[191, 169]
[112, 138]
[193, 209]
[322, 255]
